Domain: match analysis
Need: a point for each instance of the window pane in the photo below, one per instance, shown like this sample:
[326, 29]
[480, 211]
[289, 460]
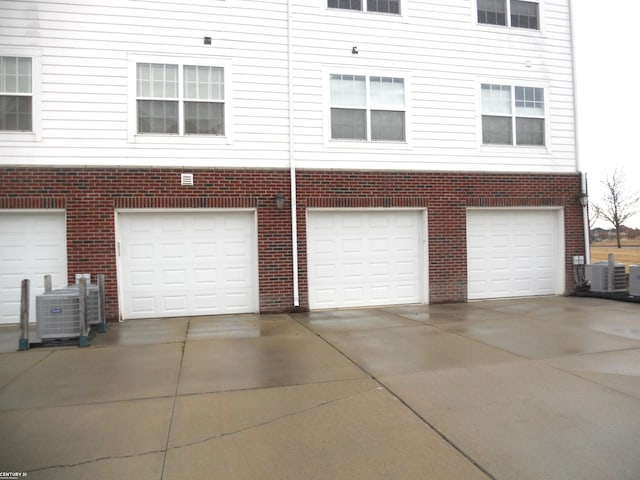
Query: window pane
[345, 4]
[524, 14]
[348, 91]
[496, 99]
[203, 83]
[157, 116]
[529, 101]
[530, 131]
[348, 124]
[496, 130]
[385, 6]
[387, 93]
[15, 113]
[492, 12]
[15, 75]
[204, 118]
[157, 80]
[387, 125]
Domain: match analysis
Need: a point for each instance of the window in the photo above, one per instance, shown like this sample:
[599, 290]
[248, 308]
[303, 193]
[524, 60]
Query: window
[367, 108]
[514, 13]
[16, 94]
[382, 6]
[507, 110]
[180, 100]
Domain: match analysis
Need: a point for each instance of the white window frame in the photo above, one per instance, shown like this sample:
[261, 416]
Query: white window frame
[513, 149]
[519, 30]
[180, 137]
[367, 144]
[35, 135]
[331, 11]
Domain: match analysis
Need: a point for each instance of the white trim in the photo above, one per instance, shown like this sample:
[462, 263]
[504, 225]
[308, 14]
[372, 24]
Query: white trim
[35, 135]
[364, 14]
[118, 239]
[502, 29]
[367, 145]
[178, 139]
[560, 274]
[514, 150]
[424, 270]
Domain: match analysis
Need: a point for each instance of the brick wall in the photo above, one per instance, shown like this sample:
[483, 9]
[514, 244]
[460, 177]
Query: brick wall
[446, 196]
[90, 197]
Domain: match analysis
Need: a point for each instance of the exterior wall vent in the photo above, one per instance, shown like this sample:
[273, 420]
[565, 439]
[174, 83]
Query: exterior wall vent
[186, 179]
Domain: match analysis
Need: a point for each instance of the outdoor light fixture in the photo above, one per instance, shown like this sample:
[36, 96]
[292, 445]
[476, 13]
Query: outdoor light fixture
[279, 200]
[584, 199]
[354, 50]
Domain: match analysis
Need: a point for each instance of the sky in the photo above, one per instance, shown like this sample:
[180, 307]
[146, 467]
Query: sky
[606, 44]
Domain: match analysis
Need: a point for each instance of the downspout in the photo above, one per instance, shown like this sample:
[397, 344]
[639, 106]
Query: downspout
[583, 176]
[292, 161]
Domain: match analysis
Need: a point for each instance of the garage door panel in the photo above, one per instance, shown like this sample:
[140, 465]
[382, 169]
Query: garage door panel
[190, 263]
[513, 253]
[175, 304]
[32, 245]
[361, 258]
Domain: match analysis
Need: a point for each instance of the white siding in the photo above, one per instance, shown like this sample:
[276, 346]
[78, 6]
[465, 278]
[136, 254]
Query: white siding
[443, 52]
[85, 85]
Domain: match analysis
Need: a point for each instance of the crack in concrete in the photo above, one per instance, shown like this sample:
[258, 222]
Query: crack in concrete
[95, 460]
[272, 420]
[208, 439]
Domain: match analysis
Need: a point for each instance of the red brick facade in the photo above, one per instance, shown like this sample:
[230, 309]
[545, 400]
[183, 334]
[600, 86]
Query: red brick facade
[90, 197]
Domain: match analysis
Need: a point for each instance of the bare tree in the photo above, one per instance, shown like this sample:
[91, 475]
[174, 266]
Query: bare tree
[617, 205]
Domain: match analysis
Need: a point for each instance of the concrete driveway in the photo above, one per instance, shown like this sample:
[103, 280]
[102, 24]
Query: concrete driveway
[543, 388]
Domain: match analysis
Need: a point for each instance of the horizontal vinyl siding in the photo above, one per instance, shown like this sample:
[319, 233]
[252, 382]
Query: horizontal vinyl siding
[85, 49]
[445, 55]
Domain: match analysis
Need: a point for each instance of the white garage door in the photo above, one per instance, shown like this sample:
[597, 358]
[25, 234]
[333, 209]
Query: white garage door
[187, 263]
[32, 245]
[514, 253]
[365, 258]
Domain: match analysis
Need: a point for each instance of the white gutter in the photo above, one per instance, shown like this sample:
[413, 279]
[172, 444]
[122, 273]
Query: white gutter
[583, 176]
[292, 162]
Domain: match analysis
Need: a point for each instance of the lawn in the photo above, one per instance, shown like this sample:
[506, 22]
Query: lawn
[629, 254]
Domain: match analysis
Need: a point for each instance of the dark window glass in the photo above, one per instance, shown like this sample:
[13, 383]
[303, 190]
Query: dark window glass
[345, 4]
[524, 14]
[496, 130]
[530, 131]
[387, 125]
[492, 12]
[204, 118]
[385, 6]
[348, 124]
[15, 113]
[157, 116]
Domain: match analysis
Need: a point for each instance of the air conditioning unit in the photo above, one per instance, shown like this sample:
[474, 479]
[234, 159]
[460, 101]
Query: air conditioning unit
[93, 305]
[58, 311]
[597, 275]
[58, 314]
[634, 280]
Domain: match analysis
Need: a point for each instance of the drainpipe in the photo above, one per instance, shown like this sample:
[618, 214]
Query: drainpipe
[292, 160]
[583, 176]
[585, 219]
